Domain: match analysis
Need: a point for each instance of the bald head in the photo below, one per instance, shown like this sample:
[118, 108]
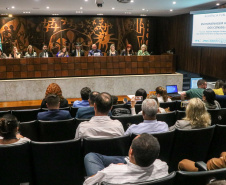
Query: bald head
[94, 47]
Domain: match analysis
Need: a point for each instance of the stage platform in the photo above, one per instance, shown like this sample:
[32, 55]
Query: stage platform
[34, 89]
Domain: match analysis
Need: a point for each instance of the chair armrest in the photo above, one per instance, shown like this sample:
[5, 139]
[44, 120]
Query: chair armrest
[201, 166]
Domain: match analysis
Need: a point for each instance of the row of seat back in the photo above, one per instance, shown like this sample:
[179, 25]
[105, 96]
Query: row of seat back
[184, 178]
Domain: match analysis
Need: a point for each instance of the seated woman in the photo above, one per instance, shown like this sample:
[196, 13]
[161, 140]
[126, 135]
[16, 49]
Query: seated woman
[128, 51]
[219, 87]
[15, 53]
[209, 98]
[63, 52]
[196, 116]
[2, 55]
[162, 95]
[143, 51]
[112, 51]
[30, 52]
[9, 127]
[54, 88]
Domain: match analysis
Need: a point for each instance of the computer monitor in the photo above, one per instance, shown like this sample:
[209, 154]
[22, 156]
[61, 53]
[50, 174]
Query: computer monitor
[171, 89]
[193, 83]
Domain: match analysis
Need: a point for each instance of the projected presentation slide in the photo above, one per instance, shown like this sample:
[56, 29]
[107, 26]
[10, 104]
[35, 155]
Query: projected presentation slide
[209, 29]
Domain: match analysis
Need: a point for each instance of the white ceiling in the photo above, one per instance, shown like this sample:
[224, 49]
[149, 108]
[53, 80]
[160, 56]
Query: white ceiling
[69, 7]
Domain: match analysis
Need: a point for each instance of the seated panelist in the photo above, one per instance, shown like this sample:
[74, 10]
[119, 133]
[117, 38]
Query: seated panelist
[15, 53]
[30, 52]
[143, 51]
[94, 51]
[63, 52]
[45, 52]
[128, 51]
[78, 51]
[112, 51]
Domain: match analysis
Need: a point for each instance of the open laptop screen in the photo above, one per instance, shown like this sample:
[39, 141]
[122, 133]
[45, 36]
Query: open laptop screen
[171, 89]
[193, 83]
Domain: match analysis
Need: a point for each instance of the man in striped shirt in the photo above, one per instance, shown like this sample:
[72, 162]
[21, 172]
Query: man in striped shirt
[141, 164]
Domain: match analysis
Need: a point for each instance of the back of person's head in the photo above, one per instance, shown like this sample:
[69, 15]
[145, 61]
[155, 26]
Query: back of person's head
[209, 95]
[146, 149]
[85, 91]
[8, 126]
[218, 182]
[150, 107]
[154, 98]
[92, 97]
[219, 84]
[162, 92]
[201, 82]
[103, 102]
[141, 92]
[54, 88]
[53, 101]
[114, 100]
[197, 114]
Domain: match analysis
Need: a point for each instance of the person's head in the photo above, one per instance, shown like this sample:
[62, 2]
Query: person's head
[9, 126]
[112, 48]
[53, 101]
[63, 49]
[209, 96]
[94, 47]
[128, 47]
[78, 46]
[114, 100]
[219, 84]
[54, 88]
[30, 49]
[92, 97]
[14, 49]
[141, 92]
[44, 48]
[197, 114]
[144, 47]
[160, 91]
[103, 103]
[144, 150]
[202, 84]
[85, 91]
[149, 109]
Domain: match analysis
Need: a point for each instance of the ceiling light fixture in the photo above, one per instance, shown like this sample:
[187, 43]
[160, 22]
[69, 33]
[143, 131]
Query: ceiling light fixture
[113, 8]
[79, 11]
[55, 14]
[100, 14]
[10, 15]
[47, 7]
[132, 1]
[143, 9]
[26, 12]
[171, 10]
[143, 15]
[218, 4]
[174, 2]
[86, 0]
[81, 8]
[13, 7]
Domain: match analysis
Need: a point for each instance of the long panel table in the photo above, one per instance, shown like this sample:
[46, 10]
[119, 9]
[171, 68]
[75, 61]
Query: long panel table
[26, 68]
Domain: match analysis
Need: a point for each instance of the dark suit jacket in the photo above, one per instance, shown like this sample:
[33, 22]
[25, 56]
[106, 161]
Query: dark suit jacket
[42, 54]
[222, 100]
[63, 103]
[53, 115]
[124, 53]
[74, 53]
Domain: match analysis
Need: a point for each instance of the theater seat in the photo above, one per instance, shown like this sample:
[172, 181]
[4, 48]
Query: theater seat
[57, 163]
[2, 113]
[57, 130]
[199, 178]
[118, 146]
[138, 108]
[180, 115]
[78, 121]
[15, 162]
[128, 120]
[26, 115]
[168, 180]
[125, 106]
[29, 130]
[64, 108]
[178, 106]
[190, 144]
[169, 118]
[73, 111]
[171, 105]
[218, 116]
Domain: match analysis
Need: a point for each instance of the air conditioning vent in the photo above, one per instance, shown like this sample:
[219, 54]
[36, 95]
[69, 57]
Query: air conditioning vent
[124, 1]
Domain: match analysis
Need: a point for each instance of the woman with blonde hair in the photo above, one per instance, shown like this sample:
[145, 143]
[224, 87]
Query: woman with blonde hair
[54, 88]
[143, 51]
[63, 52]
[112, 51]
[30, 52]
[162, 95]
[196, 116]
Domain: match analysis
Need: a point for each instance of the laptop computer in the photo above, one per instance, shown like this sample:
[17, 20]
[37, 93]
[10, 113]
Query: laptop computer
[172, 90]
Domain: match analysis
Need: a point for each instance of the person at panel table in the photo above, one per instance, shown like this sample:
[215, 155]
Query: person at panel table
[78, 51]
[30, 52]
[112, 51]
[2, 55]
[94, 51]
[45, 52]
[143, 51]
[128, 51]
[63, 52]
[15, 53]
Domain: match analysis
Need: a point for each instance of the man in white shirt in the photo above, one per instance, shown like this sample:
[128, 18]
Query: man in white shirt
[101, 125]
[141, 164]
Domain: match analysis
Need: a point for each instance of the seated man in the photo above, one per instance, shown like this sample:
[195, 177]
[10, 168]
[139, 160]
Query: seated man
[87, 112]
[85, 96]
[94, 51]
[150, 124]
[141, 164]
[101, 125]
[45, 52]
[195, 93]
[53, 113]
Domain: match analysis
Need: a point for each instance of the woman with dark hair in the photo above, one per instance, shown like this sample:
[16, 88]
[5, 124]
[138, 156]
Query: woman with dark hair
[128, 51]
[219, 87]
[141, 92]
[54, 88]
[209, 98]
[162, 95]
[9, 127]
[2, 55]
[15, 53]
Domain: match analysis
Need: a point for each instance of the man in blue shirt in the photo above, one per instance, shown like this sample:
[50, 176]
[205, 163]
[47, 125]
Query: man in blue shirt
[85, 96]
[150, 124]
[94, 51]
[53, 113]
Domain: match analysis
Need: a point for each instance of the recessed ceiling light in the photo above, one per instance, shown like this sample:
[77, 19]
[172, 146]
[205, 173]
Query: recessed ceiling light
[55, 14]
[13, 7]
[10, 15]
[47, 7]
[143, 15]
[81, 8]
[113, 8]
[79, 11]
[143, 9]
[174, 2]
[86, 0]
[218, 4]
[26, 12]
[132, 1]
[100, 14]
[171, 10]
[4, 14]
[128, 12]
